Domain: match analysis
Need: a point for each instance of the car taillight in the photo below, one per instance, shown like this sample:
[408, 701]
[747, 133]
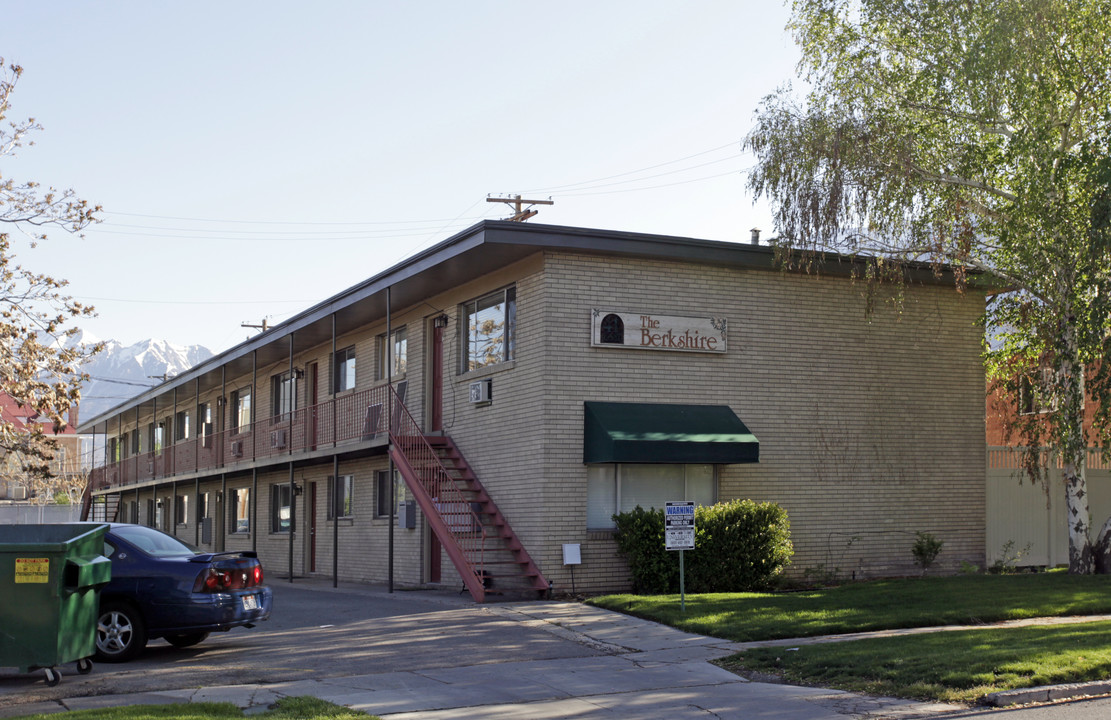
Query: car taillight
[222, 580]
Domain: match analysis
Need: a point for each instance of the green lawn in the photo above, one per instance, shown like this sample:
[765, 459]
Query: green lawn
[298, 708]
[956, 666]
[960, 666]
[878, 605]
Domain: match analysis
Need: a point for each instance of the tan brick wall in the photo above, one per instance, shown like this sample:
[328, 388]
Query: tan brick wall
[871, 428]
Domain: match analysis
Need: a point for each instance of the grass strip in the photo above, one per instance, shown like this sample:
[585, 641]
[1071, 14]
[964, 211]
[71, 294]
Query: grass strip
[874, 605]
[291, 708]
[958, 666]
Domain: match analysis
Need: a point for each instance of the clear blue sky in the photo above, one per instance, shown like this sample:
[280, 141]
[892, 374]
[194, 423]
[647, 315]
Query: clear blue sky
[254, 158]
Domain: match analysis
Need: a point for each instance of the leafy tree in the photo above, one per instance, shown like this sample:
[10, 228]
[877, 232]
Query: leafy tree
[37, 369]
[973, 136]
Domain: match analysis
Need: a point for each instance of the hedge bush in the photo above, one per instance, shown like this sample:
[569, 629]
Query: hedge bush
[739, 546]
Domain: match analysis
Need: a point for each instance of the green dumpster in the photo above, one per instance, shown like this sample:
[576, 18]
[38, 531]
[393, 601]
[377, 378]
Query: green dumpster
[50, 580]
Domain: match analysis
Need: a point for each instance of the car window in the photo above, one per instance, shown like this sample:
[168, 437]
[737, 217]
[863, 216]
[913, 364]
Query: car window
[109, 549]
[153, 542]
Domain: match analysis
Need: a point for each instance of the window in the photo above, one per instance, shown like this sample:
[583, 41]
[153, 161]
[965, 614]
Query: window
[136, 443]
[181, 509]
[204, 423]
[150, 513]
[283, 394]
[613, 489]
[202, 506]
[133, 512]
[241, 409]
[340, 497]
[154, 438]
[281, 517]
[181, 426]
[241, 510]
[400, 349]
[114, 450]
[343, 370]
[490, 329]
[382, 491]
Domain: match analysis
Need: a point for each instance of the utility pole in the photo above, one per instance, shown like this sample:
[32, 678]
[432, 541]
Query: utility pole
[521, 213]
[264, 326]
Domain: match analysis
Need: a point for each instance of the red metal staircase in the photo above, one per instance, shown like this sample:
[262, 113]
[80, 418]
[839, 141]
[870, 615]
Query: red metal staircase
[473, 532]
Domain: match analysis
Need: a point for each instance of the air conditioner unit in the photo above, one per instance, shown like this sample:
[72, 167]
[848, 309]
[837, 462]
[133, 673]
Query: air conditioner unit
[237, 448]
[482, 391]
[19, 492]
[277, 439]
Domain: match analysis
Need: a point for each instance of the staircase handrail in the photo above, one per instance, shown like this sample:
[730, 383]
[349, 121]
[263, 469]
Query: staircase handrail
[464, 538]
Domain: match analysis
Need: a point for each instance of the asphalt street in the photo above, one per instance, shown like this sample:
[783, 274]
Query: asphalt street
[437, 656]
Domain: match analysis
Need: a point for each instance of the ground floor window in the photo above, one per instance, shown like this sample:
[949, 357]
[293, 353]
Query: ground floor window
[340, 496]
[382, 491]
[181, 509]
[618, 488]
[281, 497]
[241, 510]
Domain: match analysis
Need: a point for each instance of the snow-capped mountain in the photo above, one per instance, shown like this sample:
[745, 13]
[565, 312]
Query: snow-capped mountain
[119, 372]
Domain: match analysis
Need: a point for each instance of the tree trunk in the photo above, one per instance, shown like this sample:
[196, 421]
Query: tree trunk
[1101, 551]
[1074, 449]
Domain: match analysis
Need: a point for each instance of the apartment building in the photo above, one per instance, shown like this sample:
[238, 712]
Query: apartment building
[476, 415]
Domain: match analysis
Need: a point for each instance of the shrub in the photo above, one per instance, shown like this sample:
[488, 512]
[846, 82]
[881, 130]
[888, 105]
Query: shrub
[926, 548]
[739, 545]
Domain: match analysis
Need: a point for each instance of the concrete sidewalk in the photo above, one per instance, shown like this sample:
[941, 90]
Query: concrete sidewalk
[647, 671]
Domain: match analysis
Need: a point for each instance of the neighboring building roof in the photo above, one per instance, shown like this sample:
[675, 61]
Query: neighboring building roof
[24, 417]
[476, 251]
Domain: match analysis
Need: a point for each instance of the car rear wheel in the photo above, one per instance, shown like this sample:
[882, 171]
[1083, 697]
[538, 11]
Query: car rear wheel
[185, 640]
[120, 632]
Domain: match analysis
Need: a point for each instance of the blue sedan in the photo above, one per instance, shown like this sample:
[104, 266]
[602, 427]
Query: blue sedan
[162, 587]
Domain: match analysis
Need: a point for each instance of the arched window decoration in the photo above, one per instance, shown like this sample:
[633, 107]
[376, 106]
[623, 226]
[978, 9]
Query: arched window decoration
[613, 330]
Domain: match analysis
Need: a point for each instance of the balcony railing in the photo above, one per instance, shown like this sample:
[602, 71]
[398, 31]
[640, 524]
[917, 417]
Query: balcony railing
[354, 418]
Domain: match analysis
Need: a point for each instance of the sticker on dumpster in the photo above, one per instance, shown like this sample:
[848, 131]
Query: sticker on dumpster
[32, 570]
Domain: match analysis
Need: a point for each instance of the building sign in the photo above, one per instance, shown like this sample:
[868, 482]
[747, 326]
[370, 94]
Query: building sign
[645, 331]
[679, 525]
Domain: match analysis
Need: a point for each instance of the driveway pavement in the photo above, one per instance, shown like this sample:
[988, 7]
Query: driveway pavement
[436, 655]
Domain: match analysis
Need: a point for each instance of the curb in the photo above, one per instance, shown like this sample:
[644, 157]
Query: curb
[1048, 693]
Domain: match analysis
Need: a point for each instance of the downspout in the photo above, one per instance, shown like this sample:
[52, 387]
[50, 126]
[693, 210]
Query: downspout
[335, 464]
[254, 402]
[289, 421]
[254, 509]
[389, 429]
[292, 517]
[222, 545]
[197, 512]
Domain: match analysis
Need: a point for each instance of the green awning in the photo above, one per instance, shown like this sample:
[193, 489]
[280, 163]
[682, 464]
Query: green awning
[658, 433]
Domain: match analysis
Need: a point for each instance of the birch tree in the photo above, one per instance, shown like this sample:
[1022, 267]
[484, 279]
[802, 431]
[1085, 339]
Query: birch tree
[39, 364]
[972, 136]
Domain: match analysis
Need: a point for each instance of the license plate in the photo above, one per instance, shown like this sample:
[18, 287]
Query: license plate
[250, 602]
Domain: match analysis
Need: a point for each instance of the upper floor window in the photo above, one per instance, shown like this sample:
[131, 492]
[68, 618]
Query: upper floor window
[181, 425]
[490, 329]
[343, 370]
[241, 408]
[204, 420]
[395, 351]
[283, 396]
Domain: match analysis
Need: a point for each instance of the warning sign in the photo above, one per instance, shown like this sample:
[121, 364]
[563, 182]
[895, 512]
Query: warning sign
[679, 525]
[32, 570]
